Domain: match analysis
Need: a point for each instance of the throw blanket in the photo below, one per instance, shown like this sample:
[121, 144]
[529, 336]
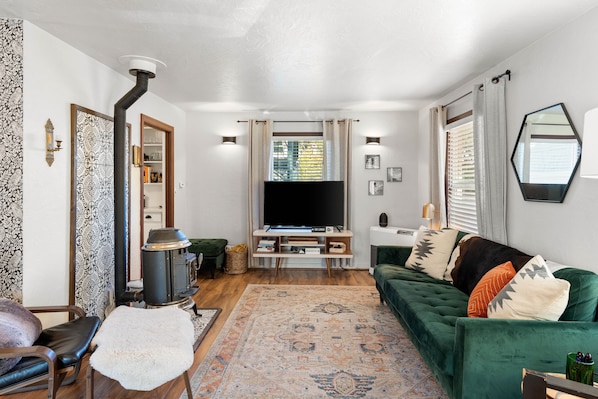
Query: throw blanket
[18, 328]
[144, 348]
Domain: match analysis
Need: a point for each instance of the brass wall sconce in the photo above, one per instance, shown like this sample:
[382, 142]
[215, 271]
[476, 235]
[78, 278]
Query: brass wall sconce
[136, 156]
[372, 140]
[50, 149]
[428, 213]
[229, 140]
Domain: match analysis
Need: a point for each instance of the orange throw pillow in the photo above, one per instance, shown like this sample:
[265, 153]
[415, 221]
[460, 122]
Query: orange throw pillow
[487, 288]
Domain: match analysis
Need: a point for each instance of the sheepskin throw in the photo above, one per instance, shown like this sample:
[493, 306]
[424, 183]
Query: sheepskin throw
[18, 328]
[143, 348]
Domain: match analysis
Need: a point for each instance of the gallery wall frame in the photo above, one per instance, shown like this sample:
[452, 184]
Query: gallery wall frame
[376, 187]
[394, 174]
[92, 208]
[372, 161]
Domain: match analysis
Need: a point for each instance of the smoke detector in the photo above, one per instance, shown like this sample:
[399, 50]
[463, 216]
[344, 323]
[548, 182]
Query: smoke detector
[141, 63]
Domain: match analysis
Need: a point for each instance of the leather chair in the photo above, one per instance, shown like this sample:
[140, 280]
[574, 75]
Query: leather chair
[55, 357]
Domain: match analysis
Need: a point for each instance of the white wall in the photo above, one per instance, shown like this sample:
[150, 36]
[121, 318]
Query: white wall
[217, 174]
[56, 75]
[559, 68]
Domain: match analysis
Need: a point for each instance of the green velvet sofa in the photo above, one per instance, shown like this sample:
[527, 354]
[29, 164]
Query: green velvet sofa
[477, 358]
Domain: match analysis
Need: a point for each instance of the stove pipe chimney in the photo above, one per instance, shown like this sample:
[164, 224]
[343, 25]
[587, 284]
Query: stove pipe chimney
[143, 68]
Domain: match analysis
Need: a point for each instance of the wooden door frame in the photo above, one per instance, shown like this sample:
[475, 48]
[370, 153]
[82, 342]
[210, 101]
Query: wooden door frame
[169, 173]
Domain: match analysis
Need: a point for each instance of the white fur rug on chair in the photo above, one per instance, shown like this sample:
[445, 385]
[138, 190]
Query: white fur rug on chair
[143, 348]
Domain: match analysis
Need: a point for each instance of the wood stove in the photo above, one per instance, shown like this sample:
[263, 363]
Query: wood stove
[169, 269]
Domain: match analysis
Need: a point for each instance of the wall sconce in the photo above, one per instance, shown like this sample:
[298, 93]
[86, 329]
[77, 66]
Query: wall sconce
[136, 156]
[229, 140]
[50, 149]
[589, 162]
[372, 140]
[428, 212]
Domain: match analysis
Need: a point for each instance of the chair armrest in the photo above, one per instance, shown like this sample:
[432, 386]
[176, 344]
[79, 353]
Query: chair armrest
[392, 255]
[490, 353]
[29, 351]
[58, 309]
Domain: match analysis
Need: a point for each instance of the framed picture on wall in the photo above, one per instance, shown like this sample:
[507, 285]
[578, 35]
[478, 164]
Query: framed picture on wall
[372, 161]
[394, 174]
[376, 187]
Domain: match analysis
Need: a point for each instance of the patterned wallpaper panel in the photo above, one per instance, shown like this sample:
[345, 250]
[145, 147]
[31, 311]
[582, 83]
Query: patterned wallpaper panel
[11, 159]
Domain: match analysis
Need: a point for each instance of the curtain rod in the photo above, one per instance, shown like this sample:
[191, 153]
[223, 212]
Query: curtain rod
[494, 80]
[340, 120]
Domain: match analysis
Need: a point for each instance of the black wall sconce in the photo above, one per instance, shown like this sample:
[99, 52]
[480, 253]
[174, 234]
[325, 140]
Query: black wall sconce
[229, 140]
[372, 140]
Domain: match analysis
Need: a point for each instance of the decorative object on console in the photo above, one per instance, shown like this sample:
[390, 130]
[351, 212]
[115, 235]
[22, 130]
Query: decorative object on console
[372, 140]
[229, 140]
[50, 149]
[546, 154]
[589, 161]
[431, 251]
[428, 212]
[383, 220]
[533, 294]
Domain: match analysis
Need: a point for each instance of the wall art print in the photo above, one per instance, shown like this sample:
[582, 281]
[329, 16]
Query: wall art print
[11, 159]
[92, 208]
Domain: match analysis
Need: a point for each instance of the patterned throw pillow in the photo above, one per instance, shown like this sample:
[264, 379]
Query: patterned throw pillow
[487, 288]
[533, 294]
[456, 252]
[431, 251]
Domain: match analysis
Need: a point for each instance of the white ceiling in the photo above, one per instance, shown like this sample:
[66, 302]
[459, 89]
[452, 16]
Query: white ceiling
[302, 55]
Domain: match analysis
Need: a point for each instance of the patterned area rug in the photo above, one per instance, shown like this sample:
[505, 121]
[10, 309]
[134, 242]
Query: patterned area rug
[285, 341]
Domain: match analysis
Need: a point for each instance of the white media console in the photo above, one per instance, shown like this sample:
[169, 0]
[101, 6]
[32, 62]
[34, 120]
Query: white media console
[302, 243]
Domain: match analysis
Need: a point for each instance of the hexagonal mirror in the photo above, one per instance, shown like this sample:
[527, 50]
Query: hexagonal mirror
[546, 154]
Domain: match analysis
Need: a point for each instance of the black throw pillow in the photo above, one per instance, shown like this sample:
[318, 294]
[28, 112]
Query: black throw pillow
[477, 256]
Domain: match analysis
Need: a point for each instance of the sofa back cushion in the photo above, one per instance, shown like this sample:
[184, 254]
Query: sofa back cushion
[583, 294]
[477, 256]
[431, 251]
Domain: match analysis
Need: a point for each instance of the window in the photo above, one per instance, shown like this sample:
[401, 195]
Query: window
[460, 179]
[297, 156]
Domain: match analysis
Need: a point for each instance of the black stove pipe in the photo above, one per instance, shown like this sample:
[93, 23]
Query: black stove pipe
[120, 182]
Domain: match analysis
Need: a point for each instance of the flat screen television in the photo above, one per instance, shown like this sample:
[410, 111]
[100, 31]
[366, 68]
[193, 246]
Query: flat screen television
[304, 204]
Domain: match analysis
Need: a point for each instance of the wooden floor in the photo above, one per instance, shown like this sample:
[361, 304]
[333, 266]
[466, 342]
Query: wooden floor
[223, 292]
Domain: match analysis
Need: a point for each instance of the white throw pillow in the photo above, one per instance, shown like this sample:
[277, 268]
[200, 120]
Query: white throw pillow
[456, 252]
[533, 294]
[431, 251]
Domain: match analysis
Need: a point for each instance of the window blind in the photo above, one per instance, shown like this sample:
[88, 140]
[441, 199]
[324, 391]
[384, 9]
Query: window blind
[298, 158]
[460, 179]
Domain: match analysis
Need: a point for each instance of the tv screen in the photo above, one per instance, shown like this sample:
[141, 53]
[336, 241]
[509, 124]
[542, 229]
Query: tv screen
[304, 204]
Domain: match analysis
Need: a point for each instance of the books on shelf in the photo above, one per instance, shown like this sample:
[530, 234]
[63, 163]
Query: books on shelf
[303, 240]
[266, 245]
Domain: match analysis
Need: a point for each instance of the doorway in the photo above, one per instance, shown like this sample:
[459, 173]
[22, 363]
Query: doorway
[157, 176]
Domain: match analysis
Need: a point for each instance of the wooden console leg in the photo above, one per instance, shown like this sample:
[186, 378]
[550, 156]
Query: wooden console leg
[277, 266]
[328, 261]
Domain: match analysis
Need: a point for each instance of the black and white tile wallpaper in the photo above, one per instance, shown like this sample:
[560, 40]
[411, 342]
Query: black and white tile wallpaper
[11, 159]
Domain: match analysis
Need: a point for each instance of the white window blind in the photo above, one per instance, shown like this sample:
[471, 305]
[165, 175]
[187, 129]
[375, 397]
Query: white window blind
[297, 157]
[460, 175]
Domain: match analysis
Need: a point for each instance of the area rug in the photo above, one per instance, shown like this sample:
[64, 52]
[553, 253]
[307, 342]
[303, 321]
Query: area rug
[202, 324]
[286, 341]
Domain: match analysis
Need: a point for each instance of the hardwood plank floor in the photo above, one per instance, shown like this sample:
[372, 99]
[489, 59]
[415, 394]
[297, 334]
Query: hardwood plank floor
[223, 292]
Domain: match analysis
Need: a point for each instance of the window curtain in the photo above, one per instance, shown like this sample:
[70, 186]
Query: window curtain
[490, 154]
[437, 161]
[259, 162]
[337, 156]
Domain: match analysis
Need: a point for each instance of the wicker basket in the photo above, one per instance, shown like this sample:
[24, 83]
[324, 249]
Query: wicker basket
[236, 259]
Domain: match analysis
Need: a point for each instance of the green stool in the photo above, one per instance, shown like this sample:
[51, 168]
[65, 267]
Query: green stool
[213, 250]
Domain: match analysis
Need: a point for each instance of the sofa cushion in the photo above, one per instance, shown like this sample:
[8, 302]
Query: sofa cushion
[533, 294]
[384, 273]
[18, 328]
[430, 310]
[462, 237]
[479, 255]
[583, 294]
[490, 285]
[431, 251]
